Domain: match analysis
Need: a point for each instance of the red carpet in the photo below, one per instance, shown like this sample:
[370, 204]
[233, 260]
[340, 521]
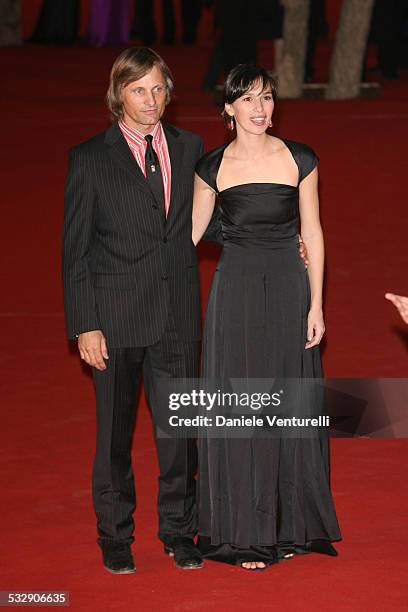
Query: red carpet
[55, 100]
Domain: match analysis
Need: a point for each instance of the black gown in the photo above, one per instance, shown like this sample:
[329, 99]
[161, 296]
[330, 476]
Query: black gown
[259, 498]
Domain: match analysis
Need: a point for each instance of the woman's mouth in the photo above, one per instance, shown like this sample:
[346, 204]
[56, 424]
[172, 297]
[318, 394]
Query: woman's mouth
[259, 121]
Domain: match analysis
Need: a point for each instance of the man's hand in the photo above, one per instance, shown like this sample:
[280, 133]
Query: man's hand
[401, 303]
[92, 348]
[303, 251]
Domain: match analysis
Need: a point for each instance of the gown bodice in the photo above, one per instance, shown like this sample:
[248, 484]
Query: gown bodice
[256, 214]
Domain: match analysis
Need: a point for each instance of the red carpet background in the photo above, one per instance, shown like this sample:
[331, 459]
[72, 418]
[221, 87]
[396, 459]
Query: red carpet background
[54, 99]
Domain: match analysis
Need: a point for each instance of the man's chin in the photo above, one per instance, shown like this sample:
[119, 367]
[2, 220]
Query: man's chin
[153, 118]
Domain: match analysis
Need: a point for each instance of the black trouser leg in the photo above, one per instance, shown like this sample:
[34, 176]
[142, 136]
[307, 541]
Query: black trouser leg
[113, 485]
[116, 395]
[171, 358]
[238, 50]
[215, 66]
[190, 15]
[144, 21]
[169, 22]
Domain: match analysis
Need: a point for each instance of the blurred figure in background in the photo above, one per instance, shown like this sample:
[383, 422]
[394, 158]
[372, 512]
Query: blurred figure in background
[387, 33]
[109, 22]
[144, 26]
[57, 23]
[270, 14]
[317, 28]
[190, 16]
[235, 24]
[10, 22]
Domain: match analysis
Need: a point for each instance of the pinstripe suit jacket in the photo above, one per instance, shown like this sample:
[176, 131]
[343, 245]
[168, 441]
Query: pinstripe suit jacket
[123, 264]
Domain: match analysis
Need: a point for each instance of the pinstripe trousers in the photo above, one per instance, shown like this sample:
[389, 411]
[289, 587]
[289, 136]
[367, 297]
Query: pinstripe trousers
[116, 396]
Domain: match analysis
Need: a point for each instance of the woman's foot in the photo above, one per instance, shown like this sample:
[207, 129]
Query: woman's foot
[253, 565]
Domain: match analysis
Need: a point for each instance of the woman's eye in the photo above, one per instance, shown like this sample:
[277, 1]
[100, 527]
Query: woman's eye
[247, 99]
[268, 97]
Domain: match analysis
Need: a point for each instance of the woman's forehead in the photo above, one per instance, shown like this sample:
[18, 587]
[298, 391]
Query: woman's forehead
[258, 88]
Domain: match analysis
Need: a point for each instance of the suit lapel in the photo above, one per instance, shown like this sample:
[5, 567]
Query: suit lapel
[121, 154]
[176, 152]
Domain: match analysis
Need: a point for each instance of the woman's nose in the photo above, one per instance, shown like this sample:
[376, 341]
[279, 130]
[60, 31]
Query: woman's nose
[258, 106]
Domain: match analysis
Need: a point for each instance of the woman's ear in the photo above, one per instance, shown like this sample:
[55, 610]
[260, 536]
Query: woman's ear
[228, 110]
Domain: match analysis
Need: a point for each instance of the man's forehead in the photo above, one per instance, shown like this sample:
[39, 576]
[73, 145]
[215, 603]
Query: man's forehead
[155, 74]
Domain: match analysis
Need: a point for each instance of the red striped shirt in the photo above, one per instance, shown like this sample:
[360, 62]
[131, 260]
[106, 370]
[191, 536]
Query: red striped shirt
[138, 145]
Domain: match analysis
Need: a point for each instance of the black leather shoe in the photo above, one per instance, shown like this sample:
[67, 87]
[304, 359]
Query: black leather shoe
[117, 557]
[185, 552]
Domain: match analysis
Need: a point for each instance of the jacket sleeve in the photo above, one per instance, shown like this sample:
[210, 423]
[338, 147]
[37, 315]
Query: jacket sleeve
[79, 212]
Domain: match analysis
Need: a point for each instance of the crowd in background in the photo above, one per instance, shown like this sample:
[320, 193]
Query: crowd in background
[237, 27]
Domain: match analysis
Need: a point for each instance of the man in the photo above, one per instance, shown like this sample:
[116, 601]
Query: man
[132, 297]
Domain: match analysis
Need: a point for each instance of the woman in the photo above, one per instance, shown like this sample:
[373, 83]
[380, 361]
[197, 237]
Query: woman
[265, 499]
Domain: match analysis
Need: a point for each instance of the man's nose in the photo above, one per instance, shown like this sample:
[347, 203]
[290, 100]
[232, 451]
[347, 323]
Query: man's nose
[150, 99]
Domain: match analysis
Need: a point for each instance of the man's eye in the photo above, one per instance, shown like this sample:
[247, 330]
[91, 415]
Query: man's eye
[137, 91]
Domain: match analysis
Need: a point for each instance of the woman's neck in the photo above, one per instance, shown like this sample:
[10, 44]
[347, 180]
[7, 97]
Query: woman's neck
[250, 146]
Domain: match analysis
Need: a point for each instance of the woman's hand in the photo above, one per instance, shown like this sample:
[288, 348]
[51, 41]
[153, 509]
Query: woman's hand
[401, 303]
[315, 327]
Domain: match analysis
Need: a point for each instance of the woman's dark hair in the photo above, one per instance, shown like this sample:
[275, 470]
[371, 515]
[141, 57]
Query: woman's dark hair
[242, 78]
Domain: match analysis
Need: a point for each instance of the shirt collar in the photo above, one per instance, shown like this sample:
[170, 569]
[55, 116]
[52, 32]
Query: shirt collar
[137, 137]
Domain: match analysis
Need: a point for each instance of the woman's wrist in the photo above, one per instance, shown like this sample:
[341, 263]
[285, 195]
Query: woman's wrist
[316, 304]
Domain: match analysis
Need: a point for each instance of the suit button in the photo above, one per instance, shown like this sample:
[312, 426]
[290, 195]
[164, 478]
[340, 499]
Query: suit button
[155, 206]
[165, 240]
[165, 277]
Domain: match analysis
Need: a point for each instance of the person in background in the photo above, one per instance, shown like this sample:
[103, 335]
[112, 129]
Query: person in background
[387, 33]
[109, 22]
[317, 28]
[10, 22]
[58, 23]
[235, 29]
[270, 27]
[144, 26]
